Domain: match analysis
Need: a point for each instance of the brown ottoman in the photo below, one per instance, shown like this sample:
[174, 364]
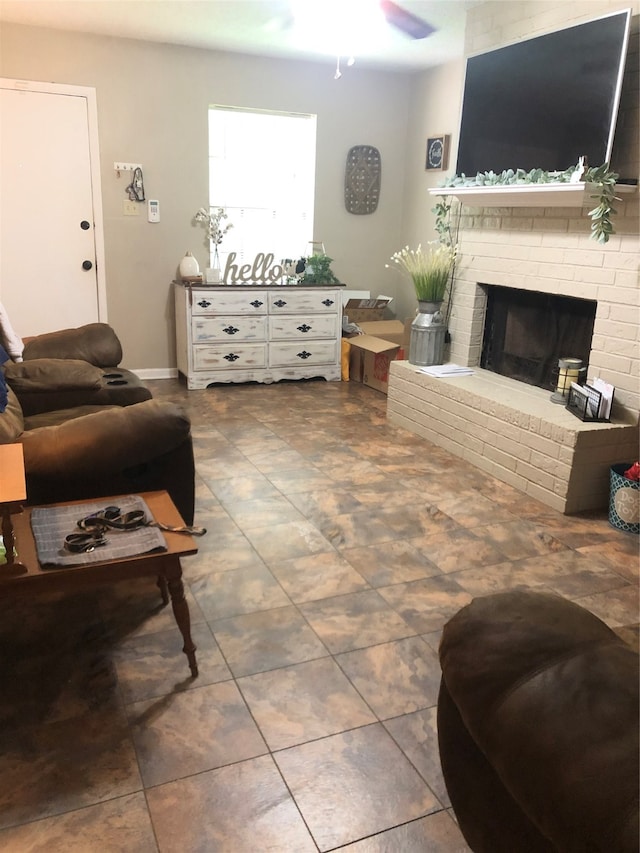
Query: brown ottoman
[538, 727]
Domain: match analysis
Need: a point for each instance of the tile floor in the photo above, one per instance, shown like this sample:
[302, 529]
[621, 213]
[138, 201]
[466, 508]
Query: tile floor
[337, 548]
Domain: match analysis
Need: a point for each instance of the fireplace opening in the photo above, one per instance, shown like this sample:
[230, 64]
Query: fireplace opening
[526, 332]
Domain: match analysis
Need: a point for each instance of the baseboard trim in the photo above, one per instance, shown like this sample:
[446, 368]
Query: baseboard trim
[157, 373]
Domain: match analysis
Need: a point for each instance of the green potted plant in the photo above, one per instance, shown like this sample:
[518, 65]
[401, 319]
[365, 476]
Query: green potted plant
[318, 271]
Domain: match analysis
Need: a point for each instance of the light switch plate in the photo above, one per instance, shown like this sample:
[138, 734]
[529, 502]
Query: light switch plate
[131, 208]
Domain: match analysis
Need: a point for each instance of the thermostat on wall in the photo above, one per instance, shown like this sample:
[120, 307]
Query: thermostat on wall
[153, 210]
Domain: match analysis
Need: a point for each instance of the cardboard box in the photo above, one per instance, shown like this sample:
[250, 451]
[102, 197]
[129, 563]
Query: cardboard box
[369, 359]
[388, 330]
[366, 310]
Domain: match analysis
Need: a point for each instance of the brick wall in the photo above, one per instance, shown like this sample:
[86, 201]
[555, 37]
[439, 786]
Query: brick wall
[549, 249]
[504, 427]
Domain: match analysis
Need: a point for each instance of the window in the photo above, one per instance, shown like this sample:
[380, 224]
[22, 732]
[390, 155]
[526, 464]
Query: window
[262, 171]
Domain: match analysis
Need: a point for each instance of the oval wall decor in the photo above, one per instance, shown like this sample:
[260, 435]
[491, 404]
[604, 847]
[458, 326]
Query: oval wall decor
[362, 179]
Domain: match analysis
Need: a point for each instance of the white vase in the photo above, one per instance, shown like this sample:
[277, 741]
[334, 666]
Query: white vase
[189, 267]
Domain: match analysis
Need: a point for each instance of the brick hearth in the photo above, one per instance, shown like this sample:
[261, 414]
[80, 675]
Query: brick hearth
[513, 432]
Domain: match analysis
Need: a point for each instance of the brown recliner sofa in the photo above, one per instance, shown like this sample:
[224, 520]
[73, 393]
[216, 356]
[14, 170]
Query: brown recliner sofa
[89, 428]
[538, 727]
[73, 367]
[88, 452]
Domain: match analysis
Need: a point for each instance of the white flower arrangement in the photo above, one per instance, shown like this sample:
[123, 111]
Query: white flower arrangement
[213, 224]
[428, 268]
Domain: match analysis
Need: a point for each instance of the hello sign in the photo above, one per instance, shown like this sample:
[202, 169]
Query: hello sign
[262, 270]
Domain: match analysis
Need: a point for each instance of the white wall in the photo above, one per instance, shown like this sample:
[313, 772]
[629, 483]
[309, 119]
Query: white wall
[152, 109]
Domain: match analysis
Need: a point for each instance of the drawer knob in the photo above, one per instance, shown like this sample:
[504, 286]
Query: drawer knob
[304, 354]
[232, 357]
[204, 303]
[304, 328]
[328, 302]
[231, 330]
[280, 303]
[256, 303]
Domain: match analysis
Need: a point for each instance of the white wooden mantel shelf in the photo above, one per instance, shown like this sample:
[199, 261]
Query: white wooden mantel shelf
[527, 195]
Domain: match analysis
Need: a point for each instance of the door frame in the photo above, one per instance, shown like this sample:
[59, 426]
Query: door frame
[89, 93]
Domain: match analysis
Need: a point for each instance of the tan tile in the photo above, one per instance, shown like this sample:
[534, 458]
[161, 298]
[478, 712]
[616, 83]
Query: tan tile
[567, 573]
[133, 608]
[286, 541]
[263, 512]
[186, 733]
[417, 736]
[51, 769]
[223, 594]
[353, 529]
[476, 511]
[352, 785]
[519, 539]
[620, 553]
[223, 553]
[417, 519]
[394, 678]
[229, 809]
[120, 824]
[436, 833]
[265, 640]
[155, 664]
[41, 684]
[303, 702]
[243, 488]
[304, 478]
[354, 621]
[426, 604]
[390, 562]
[617, 607]
[323, 504]
[318, 576]
[457, 549]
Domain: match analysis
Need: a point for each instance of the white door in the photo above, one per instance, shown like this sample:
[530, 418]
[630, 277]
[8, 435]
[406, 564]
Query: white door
[51, 245]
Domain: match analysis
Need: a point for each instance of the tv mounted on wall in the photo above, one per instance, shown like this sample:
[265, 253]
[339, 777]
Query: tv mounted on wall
[545, 102]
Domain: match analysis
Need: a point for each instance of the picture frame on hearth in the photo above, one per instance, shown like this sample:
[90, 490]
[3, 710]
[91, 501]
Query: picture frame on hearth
[437, 157]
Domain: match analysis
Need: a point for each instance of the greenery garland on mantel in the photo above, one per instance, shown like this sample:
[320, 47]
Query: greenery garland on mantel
[603, 179]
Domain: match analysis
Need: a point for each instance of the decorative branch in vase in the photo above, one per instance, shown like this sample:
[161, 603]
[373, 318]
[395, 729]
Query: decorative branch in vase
[215, 231]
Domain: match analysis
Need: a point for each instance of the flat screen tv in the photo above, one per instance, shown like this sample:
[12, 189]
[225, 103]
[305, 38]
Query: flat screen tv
[546, 101]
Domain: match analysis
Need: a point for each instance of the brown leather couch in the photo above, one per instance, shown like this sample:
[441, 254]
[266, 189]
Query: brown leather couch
[85, 438]
[538, 727]
[74, 367]
[97, 451]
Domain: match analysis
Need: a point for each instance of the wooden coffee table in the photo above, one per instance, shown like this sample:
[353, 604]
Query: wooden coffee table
[30, 577]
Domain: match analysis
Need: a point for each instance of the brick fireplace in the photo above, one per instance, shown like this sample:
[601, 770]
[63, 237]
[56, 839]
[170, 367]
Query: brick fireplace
[503, 426]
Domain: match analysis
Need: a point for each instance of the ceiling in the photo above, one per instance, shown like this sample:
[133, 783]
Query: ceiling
[262, 27]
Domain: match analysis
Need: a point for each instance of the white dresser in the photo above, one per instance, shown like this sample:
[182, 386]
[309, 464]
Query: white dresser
[261, 333]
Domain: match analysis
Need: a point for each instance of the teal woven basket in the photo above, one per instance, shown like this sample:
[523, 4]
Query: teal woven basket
[624, 500]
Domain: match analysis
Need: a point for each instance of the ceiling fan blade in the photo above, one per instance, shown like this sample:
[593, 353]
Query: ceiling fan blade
[405, 21]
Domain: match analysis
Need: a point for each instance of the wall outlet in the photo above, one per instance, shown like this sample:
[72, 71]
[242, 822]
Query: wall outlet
[131, 208]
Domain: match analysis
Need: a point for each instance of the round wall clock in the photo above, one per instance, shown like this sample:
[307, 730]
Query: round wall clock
[362, 179]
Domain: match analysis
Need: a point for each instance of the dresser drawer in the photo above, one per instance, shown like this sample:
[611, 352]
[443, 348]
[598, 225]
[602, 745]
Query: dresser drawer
[230, 357]
[297, 328]
[232, 302]
[291, 301]
[302, 353]
[237, 328]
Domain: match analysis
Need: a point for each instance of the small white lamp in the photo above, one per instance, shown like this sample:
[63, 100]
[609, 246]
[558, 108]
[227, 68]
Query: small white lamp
[13, 490]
